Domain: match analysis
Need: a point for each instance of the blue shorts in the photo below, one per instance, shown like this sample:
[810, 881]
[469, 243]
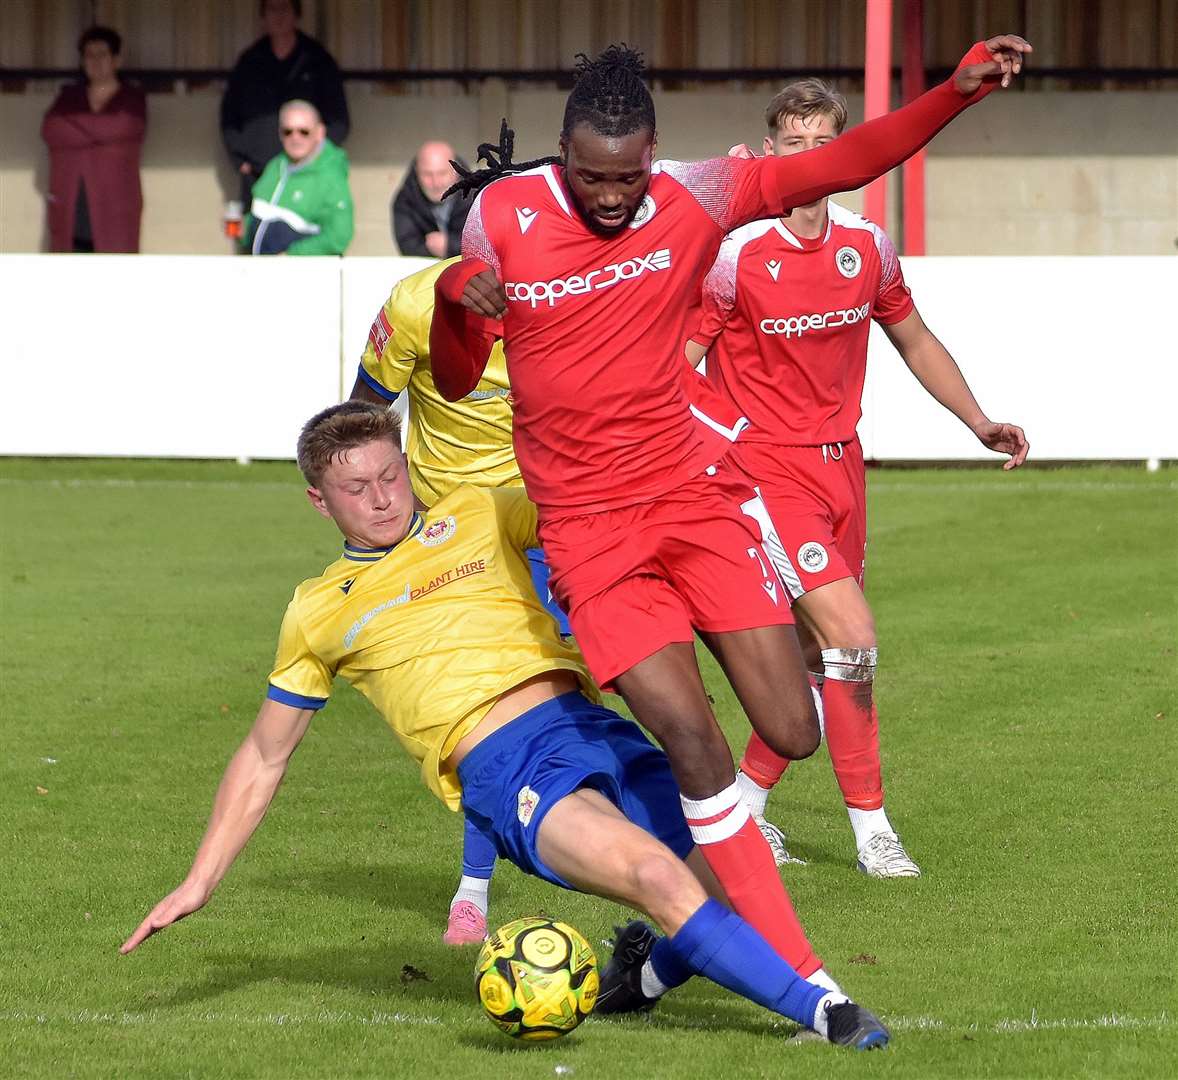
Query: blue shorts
[540, 584]
[518, 773]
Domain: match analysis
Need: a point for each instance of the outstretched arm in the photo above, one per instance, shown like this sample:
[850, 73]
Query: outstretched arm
[937, 372]
[250, 781]
[871, 149]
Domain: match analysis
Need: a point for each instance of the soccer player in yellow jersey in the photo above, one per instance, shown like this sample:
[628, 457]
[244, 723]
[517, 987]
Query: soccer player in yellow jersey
[431, 615]
[448, 443]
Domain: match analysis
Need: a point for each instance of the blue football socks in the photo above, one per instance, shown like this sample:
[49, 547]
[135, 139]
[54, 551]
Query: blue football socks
[719, 945]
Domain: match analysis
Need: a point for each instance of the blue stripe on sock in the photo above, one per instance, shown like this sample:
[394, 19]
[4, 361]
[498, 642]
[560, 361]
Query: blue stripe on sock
[721, 946]
[478, 852]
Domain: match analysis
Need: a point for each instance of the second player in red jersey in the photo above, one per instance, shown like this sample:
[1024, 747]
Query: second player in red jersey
[589, 268]
[787, 310]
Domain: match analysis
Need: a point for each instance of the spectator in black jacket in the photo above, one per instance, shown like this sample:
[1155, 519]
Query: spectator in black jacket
[284, 65]
[424, 223]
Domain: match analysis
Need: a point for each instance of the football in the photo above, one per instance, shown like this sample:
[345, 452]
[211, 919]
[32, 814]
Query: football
[536, 978]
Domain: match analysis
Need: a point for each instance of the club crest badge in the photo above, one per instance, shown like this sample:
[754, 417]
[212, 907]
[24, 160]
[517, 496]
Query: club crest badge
[812, 557]
[644, 213]
[437, 532]
[525, 804]
[848, 261]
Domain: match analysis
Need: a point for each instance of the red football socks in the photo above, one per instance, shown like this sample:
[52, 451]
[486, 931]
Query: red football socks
[760, 764]
[852, 737]
[738, 855]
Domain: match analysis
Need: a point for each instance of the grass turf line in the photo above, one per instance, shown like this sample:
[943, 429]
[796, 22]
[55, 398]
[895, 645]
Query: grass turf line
[1027, 698]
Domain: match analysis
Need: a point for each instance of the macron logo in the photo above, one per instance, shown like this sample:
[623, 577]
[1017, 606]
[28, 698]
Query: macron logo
[525, 217]
[774, 268]
[548, 292]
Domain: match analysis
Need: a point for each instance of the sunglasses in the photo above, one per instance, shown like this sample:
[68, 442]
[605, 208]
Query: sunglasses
[287, 132]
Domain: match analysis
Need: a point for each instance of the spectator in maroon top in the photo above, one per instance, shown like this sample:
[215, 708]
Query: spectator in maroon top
[94, 131]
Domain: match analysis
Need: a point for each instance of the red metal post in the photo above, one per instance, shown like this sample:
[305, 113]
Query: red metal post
[877, 80]
[912, 86]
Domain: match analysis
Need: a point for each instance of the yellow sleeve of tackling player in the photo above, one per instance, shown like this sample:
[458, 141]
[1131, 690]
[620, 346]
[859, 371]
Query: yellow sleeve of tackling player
[399, 335]
[300, 678]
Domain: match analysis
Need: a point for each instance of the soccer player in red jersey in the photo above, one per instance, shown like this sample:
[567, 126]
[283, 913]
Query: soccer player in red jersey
[787, 310]
[589, 269]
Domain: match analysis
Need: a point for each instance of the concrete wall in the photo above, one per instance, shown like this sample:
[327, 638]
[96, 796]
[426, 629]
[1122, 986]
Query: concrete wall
[1030, 173]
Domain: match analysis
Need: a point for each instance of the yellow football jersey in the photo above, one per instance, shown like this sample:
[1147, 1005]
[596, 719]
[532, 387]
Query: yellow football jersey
[448, 442]
[432, 631]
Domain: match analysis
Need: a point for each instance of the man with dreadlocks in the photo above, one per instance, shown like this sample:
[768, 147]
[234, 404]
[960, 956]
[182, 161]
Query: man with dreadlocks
[588, 267]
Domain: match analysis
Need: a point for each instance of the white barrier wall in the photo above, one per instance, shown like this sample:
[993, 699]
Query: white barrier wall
[191, 356]
[165, 356]
[1080, 352]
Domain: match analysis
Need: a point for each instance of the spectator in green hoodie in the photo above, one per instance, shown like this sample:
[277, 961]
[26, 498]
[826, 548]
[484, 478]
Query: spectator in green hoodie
[301, 202]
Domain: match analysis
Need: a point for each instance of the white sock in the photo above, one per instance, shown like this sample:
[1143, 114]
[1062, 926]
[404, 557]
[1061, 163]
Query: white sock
[652, 986]
[821, 978]
[868, 823]
[819, 1024]
[474, 889]
[752, 794]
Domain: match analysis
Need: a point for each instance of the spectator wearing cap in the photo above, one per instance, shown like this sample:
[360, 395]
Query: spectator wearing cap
[423, 222]
[94, 130]
[283, 65]
[301, 203]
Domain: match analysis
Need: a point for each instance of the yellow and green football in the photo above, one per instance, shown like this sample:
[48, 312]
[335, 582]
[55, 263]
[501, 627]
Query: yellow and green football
[536, 978]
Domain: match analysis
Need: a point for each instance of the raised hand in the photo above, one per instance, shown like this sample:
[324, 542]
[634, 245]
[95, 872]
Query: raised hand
[998, 57]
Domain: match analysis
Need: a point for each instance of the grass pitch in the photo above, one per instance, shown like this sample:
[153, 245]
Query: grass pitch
[1027, 690]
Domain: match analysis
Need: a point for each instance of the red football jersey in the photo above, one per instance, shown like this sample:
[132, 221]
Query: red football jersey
[785, 321]
[595, 328]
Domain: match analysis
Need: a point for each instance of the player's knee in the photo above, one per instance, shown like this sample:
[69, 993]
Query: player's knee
[853, 665]
[795, 733]
[658, 879]
[804, 739]
[693, 746]
[853, 629]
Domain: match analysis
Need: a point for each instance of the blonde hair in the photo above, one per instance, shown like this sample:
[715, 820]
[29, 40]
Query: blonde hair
[334, 431]
[804, 99]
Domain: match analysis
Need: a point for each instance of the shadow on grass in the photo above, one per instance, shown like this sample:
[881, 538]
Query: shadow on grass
[440, 976]
[399, 975]
[419, 888]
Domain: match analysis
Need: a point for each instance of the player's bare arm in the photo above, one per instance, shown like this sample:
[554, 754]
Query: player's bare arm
[250, 781]
[361, 391]
[939, 374]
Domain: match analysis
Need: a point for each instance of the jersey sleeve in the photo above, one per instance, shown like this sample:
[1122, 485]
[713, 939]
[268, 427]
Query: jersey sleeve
[299, 679]
[394, 344]
[460, 341]
[719, 294]
[724, 187]
[516, 516]
[734, 191]
[893, 302]
[476, 239]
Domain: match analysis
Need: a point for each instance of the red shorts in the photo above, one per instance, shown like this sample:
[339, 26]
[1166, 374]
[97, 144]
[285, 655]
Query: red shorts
[817, 500]
[639, 577]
